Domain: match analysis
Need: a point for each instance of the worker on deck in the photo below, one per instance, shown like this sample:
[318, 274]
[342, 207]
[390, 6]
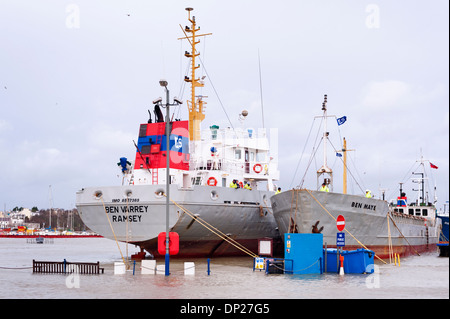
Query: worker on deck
[278, 191]
[324, 188]
[247, 186]
[234, 184]
[368, 194]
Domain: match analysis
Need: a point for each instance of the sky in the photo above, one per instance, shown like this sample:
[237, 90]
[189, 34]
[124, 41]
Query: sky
[77, 79]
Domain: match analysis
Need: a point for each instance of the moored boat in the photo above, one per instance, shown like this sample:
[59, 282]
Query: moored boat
[443, 236]
[384, 228]
[203, 165]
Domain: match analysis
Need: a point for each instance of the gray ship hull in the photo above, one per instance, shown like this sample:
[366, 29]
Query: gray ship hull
[366, 219]
[137, 214]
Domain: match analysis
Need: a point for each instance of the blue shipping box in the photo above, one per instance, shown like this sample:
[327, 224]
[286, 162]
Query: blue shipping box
[305, 251]
[358, 261]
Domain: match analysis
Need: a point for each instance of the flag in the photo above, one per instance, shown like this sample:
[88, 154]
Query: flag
[433, 166]
[341, 120]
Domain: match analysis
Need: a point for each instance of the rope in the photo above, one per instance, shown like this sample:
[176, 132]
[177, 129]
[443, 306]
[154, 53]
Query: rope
[344, 229]
[298, 271]
[301, 156]
[209, 78]
[402, 234]
[348, 169]
[389, 239]
[441, 233]
[154, 269]
[114, 234]
[291, 271]
[216, 231]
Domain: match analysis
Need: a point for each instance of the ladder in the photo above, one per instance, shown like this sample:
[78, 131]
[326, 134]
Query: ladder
[154, 176]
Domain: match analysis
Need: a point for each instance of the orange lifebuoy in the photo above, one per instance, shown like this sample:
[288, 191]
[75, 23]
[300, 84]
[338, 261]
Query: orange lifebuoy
[211, 181]
[257, 168]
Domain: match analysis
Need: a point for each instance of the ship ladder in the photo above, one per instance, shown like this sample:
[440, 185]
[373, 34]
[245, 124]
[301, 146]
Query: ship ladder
[154, 176]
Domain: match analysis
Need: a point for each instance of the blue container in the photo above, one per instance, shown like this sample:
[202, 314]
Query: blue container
[331, 260]
[358, 261]
[303, 253]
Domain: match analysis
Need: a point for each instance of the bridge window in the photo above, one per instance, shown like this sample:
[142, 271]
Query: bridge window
[237, 154]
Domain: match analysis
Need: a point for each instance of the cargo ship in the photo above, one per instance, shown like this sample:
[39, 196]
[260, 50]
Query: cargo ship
[385, 228]
[203, 165]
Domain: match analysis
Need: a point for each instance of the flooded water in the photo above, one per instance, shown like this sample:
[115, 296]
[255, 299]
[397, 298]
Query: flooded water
[425, 276]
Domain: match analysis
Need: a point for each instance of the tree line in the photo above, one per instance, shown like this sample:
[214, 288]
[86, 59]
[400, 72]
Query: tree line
[59, 219]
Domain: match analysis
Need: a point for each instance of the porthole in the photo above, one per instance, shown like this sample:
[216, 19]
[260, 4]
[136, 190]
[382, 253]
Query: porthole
[98, 194]
[214, 195]
[159, 193]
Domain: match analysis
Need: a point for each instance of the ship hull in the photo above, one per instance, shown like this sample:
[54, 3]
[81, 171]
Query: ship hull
[365, 218]
[137, 214]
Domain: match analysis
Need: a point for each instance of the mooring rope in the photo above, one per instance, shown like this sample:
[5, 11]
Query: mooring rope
[344, 229]
[393, 222]
[114, 234]
[297, 271]
[389, 239]
[216, 231]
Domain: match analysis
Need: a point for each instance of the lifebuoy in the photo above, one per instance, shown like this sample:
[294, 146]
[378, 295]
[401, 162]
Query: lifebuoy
[211, 181]
[257, 168]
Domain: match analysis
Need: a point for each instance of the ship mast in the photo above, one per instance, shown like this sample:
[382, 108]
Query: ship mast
[421, 181]
[196, 107]
[325, 169]
[345, 150]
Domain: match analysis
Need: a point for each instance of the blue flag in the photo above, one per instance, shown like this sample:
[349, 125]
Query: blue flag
[341, 120]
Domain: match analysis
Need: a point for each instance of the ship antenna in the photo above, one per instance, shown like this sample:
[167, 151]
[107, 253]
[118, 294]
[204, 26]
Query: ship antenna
[261, 90]
[196, 107]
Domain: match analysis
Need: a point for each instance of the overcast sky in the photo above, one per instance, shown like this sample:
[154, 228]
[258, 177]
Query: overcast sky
[77, 78]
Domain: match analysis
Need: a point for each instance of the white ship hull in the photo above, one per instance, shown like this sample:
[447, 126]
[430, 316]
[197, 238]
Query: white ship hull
[137, 214]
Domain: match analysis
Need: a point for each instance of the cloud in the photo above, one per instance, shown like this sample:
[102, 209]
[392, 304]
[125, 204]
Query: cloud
[5, 126]
[385, 95]
[105, 137]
